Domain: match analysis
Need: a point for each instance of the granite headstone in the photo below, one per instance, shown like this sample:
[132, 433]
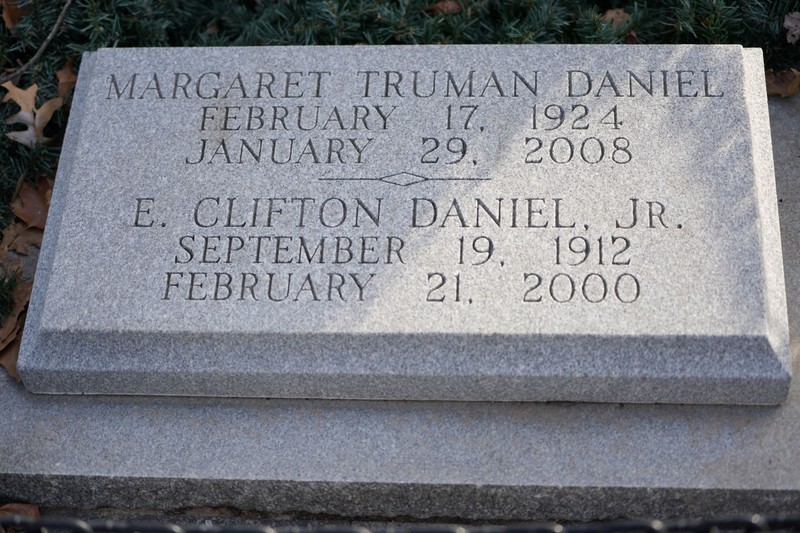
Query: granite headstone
[505, 223]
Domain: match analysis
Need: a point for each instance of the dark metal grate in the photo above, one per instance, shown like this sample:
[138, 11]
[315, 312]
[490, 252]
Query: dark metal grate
[746, 524]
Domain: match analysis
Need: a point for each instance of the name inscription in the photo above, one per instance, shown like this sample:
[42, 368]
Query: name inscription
[276, 132]
[330, 244]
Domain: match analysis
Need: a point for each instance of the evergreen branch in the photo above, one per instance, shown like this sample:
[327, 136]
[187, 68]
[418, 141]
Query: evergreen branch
[16, 72]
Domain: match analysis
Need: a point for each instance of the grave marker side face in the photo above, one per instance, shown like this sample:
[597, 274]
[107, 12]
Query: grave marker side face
[577, 223]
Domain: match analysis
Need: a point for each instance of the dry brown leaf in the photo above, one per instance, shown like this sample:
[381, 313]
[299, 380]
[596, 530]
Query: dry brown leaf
[784, 83]
[17, 237]
[26, 136]
[617, 17]
[10, 234]
[10, 263]
[32, 118]
[45, 113]
[12, 13]
[24, 98]
[213, 28]
[8, 360]
[24, 509]
[792, 25]
[9, 355]
[21, 296]
[66, 78]
[45, 183]
[445, 7]
[31, 206]
[11, 337]
[32, 203]
[27, 238]
[11, 328]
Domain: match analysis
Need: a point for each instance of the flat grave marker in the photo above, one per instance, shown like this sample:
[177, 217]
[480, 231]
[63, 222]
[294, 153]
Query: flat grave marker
[512, 223]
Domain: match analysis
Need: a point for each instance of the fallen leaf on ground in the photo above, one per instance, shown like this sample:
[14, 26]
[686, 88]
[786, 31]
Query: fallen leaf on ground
[24, 98]
[784, 83]
[12, 13]
[445, 7]
[25, 239]
[11, 329]
[66, 78]
[10, 234]
[24, 509]
[10, 262]
[31, 207]
[34, 119]
[21, 296]
[18, 237]
[11, 337]
[8, 359]
[617, 17]
[213, 28]
[792, 25]
[630, 38]
[32, 202]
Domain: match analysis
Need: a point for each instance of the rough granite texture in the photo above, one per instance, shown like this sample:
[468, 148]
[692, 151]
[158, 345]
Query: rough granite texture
[163, 276]
[457, 460]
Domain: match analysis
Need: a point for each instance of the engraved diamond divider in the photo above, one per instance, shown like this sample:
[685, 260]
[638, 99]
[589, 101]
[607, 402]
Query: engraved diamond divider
[403, 179]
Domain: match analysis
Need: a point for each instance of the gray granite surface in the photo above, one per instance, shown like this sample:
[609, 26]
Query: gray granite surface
[453, 223]
[462, 461]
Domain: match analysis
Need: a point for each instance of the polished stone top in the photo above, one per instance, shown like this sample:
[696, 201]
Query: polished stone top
[534, 223]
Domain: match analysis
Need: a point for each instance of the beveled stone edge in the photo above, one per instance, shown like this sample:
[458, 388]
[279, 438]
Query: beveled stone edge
[28, 346]
[352, 381]
[777, 322]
